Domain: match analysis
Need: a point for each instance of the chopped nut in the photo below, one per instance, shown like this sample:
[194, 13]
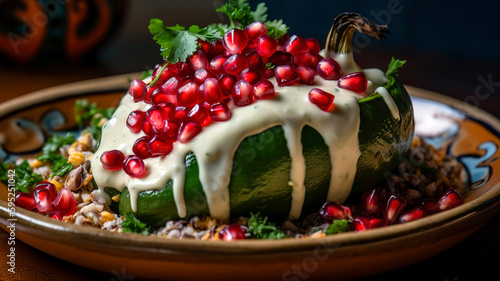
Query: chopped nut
[76, 158]
[74, 179]
[106, 216]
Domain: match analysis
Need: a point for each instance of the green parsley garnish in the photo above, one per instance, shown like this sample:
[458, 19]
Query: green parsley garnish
[25, 178]
[89, 115]
[260, 228]
[338, 226]
[60, 166]
[393, 71]
[4, 167]
[133, 225]
[54, 143]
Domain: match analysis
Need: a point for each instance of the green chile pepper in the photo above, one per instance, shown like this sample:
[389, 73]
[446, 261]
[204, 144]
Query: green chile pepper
[261, 169]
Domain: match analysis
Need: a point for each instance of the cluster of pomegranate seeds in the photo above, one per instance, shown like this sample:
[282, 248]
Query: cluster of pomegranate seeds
[232, 71]
[377, 209]
[232, 232]
[46, 199]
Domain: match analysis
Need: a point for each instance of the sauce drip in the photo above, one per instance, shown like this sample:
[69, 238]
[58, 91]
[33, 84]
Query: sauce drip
[216, 145]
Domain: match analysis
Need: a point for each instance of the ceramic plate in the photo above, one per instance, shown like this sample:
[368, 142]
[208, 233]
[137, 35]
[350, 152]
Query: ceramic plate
[466, 132]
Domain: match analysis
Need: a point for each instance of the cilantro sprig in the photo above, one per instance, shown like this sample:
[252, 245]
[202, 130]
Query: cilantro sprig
[393, 71]
[337, 226]
[25, 178]
[133, 225]
[60, 165]
[54, 143]
[260, 228]
[177, 43]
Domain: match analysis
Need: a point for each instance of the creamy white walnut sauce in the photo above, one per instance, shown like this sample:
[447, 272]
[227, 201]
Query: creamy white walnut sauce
[216, 145]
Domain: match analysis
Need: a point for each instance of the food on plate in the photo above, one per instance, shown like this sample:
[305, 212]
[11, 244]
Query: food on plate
[243, 124]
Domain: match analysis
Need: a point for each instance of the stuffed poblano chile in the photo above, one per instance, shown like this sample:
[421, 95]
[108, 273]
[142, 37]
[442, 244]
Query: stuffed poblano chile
[253, 120]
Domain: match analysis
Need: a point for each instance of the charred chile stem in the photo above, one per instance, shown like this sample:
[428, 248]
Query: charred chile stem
[339, 39]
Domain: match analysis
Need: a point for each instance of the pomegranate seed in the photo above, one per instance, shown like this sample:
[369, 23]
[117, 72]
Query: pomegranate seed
[212, 92]
[235, 40]
[235, 64]
[226, 83]
[204, 46]
[306, 75]
[217, 48]
[157, 115]
[147, 128]
[56, 215]
[243, 93]
[413, 214]
[217, 64]
[266, 45]
[170, 71]
[307, 59]
[329, 69]
[264, 90]
[160, 147]
[169, 130]
[355, 82]
[159, 96]
[201, 74]
[331, 211]
[184, 69]
[255, 29]
[360, 224]
[251, 75]
[198, 60]
[372, 201]
[282, 40]
[199, 114]
[134, 166]
[232, 232]
[220, 112]
[25, 200]
[141, 147]
[112, 159]
[377, 222]
[281, 58]
[65, 202]
[266, 72]
[296, 45]
[286, 75]
[148, 92]
[313, 45]
[180, 113]
[188, 95]
[450, 199]
[42, 199]
[47, 186]
[249, 48]
[136, 89]
[188, 131]
[134, 121]
[171, 85]
[430, 205]
[254, 59]
[347, 210]
[395, 205]
[321, 99]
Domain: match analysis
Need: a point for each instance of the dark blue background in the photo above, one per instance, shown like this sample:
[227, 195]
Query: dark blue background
[464, 29]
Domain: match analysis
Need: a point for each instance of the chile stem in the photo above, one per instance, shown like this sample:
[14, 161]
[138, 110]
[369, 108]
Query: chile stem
[341, 34]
